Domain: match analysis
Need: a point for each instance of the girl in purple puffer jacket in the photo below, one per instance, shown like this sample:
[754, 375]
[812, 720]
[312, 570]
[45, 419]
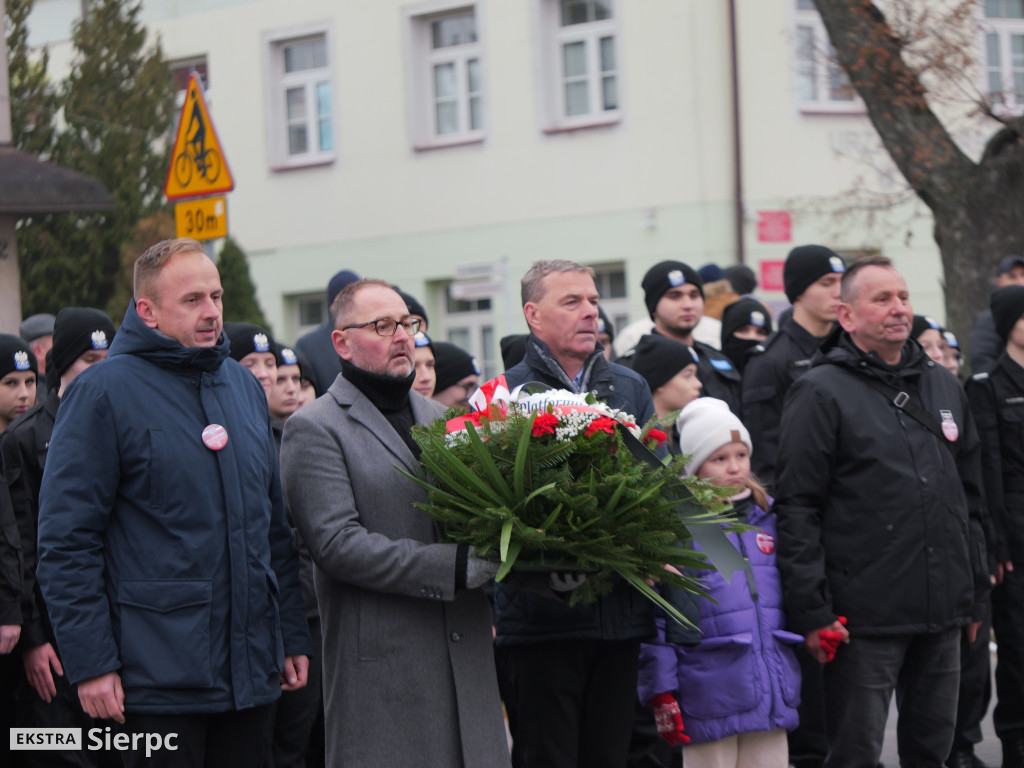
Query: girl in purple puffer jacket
[737, 687]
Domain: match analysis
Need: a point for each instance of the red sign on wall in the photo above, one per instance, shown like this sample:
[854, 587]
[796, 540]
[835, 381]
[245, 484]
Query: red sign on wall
[771, 276]
[774, 227]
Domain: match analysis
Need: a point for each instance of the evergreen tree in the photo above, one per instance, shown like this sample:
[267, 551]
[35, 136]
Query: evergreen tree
[118, 108]
[240, 304]
[33, 98]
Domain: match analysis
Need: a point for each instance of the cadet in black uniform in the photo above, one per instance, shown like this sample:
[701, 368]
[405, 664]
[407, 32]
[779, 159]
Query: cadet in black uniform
[81, 336]
[997, 400]
[674, 295]
[811, 278]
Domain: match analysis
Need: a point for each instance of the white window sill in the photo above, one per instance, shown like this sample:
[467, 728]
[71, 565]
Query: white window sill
[298, 164]
[460, 142]
[601, 122]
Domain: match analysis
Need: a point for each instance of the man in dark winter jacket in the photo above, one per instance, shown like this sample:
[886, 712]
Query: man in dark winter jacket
[81, 339]
[879, 509]
[811, 277]
[986, 344]
[997, 400]
[568, 675]
[674, 295]
[165, 557]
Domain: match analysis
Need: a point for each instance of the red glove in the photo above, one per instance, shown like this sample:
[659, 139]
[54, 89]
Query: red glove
[830, 641]
[669, 720]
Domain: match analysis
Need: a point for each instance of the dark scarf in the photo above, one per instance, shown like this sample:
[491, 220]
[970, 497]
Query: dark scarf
[389, 395]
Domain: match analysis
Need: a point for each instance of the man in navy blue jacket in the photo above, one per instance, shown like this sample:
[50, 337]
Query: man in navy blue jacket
[165, 557]
[568, 675]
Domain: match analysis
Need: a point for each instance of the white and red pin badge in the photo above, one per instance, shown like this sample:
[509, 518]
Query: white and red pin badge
[215, 437]
[949, 427]
[765, 542]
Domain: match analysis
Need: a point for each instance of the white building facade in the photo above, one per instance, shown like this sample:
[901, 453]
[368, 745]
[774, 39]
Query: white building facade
[417, 141]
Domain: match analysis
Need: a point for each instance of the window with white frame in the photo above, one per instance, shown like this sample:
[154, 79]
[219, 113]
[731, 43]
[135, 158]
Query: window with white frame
[182, 69]
[469, 324]
[1003, 62]
[580, 67]
[821, 83]
[300, 95]
[445, 62]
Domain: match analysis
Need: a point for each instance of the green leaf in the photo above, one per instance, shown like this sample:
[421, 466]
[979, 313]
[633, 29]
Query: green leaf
[506, 536]
[506, 565]
[497, 481]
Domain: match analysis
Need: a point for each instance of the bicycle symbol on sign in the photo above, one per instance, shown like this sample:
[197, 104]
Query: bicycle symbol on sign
[196, 156]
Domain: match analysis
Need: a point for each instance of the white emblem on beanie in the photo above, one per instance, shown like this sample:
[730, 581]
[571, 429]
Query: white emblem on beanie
[260, 342]
[99, 340]
[932, 322]
[837, 264]
[21, 360]
[476, 367]
[757, 318]
[288, 356]
[676, 277]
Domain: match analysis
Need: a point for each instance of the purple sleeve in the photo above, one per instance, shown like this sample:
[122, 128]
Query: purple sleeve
[657, 672]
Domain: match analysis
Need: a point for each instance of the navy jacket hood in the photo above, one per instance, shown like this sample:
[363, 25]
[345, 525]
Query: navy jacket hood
[134, 337]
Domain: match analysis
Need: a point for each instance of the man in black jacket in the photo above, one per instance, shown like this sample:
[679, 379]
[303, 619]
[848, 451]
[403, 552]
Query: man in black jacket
[811, 277]
[997, 400]
[674, 295]
[81, 337]
[568, 675]
[880, 511]
[986, 345]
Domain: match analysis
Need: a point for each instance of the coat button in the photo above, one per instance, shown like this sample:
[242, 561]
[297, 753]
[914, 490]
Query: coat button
[456, 637]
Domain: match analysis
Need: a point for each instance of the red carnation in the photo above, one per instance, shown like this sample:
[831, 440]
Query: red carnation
[602, 424]
[657, 435]
[544, 424]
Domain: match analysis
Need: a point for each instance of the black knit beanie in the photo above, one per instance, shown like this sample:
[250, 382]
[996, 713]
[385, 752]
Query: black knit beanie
[513, 349]
[806, 264]
[415, 308]
[76, 331]
[246, 338]
[658, 358]
[1007, 305]
[741, 277]
[665, 275]
[16, 355]
[745, 312]
[923, 323]
[452, 364]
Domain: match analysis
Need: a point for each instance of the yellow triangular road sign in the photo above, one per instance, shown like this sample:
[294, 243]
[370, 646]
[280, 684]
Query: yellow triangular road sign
[198, 165]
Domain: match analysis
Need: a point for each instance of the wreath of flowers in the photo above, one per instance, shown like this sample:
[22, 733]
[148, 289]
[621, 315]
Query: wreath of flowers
[552, 480]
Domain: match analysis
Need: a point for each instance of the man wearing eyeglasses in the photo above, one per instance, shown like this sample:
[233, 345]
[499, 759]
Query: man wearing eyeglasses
[408, 668]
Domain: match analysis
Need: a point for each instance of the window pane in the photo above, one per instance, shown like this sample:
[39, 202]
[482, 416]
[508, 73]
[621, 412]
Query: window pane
[311, 311]
[602, 9]
[992, 49]
[459, 337]
[296, 99]
[574, 12]
[574, 59]
[806, 68]
[616, 284]
[475, 118]
[806, 5]
[1015, 9]
[994, 8]
[453, 30]
[447, 117]
[995, 86]
[609, 92]
[577, 101]
[326, 135]
[297, 143]
[323, 99]
[473, 75]
[487, 342]
[607, 54]
[305, 54]
[444, 80]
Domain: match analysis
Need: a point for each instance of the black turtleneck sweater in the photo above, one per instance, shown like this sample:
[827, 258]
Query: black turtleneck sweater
[389, 395]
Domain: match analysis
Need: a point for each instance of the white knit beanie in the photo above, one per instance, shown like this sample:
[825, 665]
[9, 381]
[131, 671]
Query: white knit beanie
[704, 426]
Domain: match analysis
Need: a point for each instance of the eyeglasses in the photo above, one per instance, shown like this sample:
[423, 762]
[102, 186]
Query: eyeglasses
[385, 326]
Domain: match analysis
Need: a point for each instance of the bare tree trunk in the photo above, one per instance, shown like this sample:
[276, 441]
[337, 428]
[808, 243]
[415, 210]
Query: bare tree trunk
[978, 208]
